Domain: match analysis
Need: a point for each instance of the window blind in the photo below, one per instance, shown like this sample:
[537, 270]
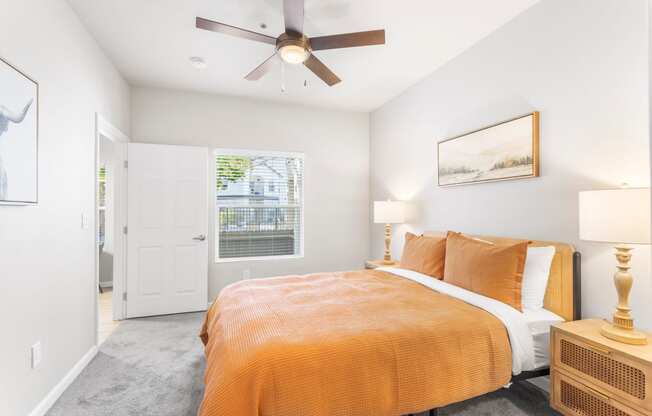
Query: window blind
[259, 204]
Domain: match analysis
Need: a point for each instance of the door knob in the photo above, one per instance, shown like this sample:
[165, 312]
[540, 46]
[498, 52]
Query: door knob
[200, 237]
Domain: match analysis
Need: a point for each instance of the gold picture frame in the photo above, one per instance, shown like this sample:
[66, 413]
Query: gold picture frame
[506, 150]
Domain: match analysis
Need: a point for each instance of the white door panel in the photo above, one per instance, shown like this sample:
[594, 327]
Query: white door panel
[167, 210]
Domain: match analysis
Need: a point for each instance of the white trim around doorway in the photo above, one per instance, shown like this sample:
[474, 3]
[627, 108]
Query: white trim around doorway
[103, 128]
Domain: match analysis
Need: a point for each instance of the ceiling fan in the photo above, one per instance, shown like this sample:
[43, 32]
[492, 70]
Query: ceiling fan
[293, 46]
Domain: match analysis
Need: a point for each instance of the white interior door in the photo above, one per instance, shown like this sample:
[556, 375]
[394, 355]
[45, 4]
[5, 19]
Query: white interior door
[167, 217]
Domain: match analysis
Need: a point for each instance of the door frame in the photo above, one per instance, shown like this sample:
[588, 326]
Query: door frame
[103, 128]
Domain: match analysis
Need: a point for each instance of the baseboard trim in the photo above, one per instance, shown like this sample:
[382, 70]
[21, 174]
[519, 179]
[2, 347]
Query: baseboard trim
[106, 285]
[42, 408]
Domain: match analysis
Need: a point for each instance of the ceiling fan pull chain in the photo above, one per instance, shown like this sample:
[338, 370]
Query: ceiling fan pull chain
[282, 76]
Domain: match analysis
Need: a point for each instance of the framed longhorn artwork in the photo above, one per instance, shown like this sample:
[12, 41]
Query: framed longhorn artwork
[504, 151]
[18, 137]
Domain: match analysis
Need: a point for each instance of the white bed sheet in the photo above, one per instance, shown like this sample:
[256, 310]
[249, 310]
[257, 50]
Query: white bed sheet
[539, 322]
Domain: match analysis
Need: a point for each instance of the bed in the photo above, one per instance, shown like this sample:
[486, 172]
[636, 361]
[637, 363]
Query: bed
[388, 341]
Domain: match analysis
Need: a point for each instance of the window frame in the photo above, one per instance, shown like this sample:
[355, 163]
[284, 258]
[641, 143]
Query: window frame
[250, 152]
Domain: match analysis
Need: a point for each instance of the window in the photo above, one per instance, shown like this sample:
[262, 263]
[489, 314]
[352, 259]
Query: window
[259, 205]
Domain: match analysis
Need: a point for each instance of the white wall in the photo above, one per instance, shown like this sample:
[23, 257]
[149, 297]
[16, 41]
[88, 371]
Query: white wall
[584, 65]
[336, 148]
[649, 28]
[46, 258]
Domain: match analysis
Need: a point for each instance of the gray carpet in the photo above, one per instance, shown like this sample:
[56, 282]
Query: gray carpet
[151, 366]
[154, 366]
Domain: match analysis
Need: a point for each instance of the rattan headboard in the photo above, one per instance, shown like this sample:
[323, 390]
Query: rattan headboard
[563, 292]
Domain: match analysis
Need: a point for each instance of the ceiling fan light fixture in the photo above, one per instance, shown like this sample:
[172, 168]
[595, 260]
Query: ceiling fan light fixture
[293, 54]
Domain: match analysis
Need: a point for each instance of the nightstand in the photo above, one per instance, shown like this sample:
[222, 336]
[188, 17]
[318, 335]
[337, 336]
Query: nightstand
[594, 376]
[372, 264]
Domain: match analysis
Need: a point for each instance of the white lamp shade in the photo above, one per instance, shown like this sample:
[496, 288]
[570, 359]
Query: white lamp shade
[389, 212]
[616, 216]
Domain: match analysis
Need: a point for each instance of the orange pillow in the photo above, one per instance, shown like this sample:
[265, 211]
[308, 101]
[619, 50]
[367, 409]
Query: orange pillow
[468, 236]
[491, 270]
[424, 255]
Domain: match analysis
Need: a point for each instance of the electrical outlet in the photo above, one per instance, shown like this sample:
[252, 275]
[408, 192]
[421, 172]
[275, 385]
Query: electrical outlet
[37, 354]
[246, 274]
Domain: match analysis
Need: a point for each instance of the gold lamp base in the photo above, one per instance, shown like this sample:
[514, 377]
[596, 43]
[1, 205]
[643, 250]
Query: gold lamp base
[622, 328]
[387, 259]
[626, 336]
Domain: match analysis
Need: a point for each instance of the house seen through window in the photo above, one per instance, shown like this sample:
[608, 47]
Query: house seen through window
[259, 203]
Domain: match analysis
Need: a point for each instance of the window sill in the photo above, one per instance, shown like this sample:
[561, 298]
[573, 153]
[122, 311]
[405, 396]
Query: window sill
[271, 258]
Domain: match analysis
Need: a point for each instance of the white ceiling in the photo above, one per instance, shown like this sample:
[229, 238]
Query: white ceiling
[150, 42]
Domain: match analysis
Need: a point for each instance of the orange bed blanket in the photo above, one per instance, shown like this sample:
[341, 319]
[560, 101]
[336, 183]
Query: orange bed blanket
[354, 343]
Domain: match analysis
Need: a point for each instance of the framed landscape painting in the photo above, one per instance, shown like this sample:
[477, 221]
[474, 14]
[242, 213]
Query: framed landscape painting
[18, 136]
[507, 150]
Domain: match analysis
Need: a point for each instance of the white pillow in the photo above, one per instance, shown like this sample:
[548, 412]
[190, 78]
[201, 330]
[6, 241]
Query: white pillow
[535, 276]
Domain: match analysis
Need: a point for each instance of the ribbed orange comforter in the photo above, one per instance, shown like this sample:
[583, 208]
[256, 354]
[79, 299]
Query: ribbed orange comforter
[357, 343]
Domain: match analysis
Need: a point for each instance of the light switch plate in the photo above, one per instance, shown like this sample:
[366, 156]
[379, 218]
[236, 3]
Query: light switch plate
[246, 274]
[37, 354]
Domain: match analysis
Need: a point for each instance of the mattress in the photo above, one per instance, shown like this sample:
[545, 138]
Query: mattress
[539, 322]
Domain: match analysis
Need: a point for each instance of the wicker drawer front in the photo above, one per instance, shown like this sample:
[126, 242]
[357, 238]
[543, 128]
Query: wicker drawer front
[576, 399]
[618, 375]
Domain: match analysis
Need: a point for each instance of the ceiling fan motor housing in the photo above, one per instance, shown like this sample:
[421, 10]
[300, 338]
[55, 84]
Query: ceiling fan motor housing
[293, 47]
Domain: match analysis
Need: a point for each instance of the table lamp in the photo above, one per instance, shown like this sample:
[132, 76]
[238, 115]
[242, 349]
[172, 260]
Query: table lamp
[619, 216]
[388, 213]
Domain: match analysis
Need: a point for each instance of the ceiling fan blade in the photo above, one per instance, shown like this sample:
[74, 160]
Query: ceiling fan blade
[218, 27]
[293, 14]
[348, 40]
[262, 69]
[321, 70]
